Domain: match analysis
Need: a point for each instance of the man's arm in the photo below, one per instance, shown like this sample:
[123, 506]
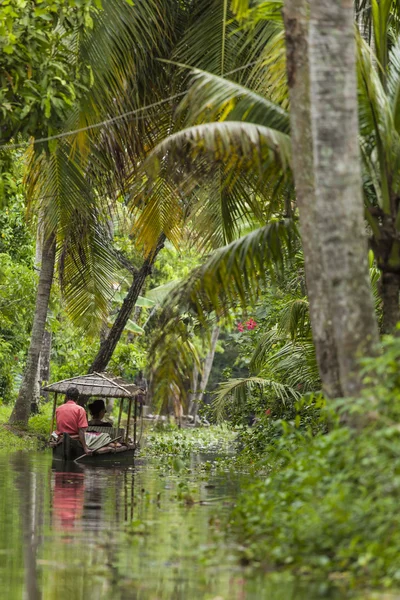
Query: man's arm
[81, 433]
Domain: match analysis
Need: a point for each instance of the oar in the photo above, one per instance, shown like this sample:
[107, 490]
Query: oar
[97, 449]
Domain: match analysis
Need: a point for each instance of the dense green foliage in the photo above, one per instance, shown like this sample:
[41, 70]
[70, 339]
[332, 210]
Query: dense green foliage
[328, 502]
[40, 80]
[223, 318]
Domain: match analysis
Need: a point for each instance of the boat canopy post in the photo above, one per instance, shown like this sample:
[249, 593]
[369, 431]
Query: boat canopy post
[128, 422]
[53, 416]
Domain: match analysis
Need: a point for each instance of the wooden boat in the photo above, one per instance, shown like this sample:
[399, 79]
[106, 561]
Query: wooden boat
[69, 450]
[101, 385]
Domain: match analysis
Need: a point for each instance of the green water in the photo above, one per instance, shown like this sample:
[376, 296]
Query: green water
[124, 534]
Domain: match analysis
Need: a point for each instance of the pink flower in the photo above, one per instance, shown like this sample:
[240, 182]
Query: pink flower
[268, 412]
[251, 324]
[240, 327]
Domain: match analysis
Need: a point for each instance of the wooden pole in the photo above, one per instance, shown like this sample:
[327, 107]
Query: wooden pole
[53, 416]
[135, 423]
[128, 422]
[120, 412]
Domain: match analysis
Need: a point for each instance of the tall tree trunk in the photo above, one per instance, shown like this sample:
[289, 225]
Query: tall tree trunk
[20, 413]
[338, 184]
[193, 391]
[208, 363]
[108, 346]
[296, 32]
[44, 370]
[38, 262]
[389, 292]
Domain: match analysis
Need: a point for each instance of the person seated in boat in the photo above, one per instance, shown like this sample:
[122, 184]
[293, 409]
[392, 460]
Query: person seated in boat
[98, 409]
[71, 419]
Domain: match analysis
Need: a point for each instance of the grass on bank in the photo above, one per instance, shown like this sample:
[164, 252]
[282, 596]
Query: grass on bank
[32, 438]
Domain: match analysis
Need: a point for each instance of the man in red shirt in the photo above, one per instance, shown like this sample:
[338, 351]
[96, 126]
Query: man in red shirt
[71, 418]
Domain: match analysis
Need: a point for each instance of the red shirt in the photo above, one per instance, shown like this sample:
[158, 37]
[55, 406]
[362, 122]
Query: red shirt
[70, 418]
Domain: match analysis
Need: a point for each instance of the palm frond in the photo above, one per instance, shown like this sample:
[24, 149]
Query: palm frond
[212, 97]
[296, 364]
[239, 390]
[70, 209]
[172, 365]
[235, 273]
[212, 40]
[241, 152]
[263, 348]
[218, 215]
[394, 82]
[294, 319]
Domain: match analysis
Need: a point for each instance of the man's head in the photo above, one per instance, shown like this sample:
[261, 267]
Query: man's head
[72, 394]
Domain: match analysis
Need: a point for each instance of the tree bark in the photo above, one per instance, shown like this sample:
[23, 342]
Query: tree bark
[208, 363]
[38, 262]
[193, 392]
[338, 185]
[108, 346]
[44, 371]
[389, 292]
[296, 22]
[20, 413]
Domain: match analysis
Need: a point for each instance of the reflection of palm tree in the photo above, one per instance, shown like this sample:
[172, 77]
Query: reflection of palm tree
[30, 499]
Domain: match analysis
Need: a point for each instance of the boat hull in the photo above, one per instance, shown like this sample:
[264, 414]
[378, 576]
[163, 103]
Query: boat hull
[69, 450]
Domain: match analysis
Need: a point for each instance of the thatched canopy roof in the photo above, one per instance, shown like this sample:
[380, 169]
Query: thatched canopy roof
[97, 384]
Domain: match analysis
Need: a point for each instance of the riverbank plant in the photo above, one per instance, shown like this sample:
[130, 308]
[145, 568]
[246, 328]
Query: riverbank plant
[181, 443]
[328, 504]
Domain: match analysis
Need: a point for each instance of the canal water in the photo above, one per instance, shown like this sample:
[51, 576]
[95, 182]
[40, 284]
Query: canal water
[135, 533]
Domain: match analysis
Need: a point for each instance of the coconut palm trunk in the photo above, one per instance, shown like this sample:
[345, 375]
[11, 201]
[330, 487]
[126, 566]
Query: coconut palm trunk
[20, 413]
[109, 344]
[296, 19]
[193, 391]
[44, 365]
[205, 376]
[338, 184]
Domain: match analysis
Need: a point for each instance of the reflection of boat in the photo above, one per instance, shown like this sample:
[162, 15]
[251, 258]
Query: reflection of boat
[70, 449]
[104, 386]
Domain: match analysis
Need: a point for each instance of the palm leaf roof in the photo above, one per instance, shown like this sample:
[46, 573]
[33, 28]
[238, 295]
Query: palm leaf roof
[104, 385]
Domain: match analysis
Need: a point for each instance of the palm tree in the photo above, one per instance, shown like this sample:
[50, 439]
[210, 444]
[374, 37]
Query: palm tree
[379, 81]
[257, 149]
[72, 231]
[119, 155]
[66, 177]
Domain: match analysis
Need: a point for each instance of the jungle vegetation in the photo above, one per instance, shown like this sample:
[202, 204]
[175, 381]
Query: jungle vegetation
[209, 191]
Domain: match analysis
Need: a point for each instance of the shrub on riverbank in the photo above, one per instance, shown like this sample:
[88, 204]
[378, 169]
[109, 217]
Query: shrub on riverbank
[329, 503]
[332, 506]
[32, 439]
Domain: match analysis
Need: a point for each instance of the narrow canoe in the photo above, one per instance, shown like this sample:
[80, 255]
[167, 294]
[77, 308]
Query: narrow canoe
[71, 449]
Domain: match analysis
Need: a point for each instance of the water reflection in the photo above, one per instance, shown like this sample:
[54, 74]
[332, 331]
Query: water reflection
[68, 500]
[121, 534]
